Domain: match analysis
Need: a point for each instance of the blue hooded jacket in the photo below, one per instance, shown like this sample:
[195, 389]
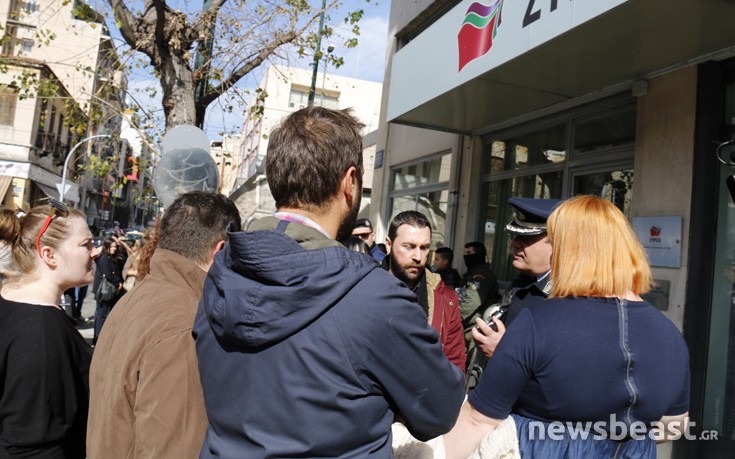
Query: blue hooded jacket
[307, 349]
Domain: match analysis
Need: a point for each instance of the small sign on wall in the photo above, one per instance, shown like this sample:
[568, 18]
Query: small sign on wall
[661, 237]
[378, 159]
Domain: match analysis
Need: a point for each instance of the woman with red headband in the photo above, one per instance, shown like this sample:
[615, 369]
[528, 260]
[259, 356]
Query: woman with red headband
[44, 361]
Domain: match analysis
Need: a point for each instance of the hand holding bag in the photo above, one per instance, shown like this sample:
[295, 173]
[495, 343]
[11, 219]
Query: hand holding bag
[107, 289]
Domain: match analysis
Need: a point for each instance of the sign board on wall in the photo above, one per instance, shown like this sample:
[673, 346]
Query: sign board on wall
[659, 294]
[661, 237]
[475, 37]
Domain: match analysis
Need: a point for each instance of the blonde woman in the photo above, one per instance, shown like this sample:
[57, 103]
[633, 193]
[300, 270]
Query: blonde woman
[130, 270]
[594, 356]
[44, 390]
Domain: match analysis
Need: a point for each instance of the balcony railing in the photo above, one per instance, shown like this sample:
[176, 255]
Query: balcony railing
[45, 143]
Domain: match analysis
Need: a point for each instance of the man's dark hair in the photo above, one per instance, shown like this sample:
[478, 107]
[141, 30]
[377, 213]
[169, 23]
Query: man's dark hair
[407, 217]
[356, 244]
[195, 222]
[478, 246]
[445, 252]
[308, 153]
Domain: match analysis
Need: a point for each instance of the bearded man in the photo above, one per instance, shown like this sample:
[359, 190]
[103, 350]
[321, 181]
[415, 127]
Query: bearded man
[408, 243]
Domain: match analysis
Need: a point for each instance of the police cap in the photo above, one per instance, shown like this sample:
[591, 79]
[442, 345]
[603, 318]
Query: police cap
[530, 215]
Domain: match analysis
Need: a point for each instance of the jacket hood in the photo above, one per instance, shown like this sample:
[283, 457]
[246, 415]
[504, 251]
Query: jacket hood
[267, 285]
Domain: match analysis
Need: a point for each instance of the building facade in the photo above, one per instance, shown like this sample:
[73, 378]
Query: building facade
[72, 43]
[628, 100]
[227, 153]
[287, 90]
[34, 142]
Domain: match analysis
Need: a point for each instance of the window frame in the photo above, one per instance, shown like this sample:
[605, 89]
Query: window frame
[575, 163]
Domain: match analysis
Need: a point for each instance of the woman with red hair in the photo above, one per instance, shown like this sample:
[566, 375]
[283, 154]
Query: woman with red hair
[593, 371]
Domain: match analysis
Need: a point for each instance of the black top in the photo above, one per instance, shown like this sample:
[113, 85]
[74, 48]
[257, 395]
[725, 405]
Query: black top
[587, 359]
[44, 388]
[483, 278]
[451, 278]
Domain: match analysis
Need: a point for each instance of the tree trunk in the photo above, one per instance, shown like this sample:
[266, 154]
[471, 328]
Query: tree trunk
[178, 92]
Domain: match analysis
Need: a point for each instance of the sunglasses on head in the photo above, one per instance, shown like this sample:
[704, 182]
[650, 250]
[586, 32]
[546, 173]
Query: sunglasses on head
[57, 209]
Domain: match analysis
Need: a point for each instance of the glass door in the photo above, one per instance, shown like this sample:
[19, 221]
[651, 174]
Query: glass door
[719, 402]
[615, 185]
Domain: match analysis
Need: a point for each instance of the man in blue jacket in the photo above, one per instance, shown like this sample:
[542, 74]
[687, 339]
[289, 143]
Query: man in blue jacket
[305, 348]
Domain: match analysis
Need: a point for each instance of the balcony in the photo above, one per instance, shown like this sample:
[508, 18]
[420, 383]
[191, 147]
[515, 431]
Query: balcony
[45, 143]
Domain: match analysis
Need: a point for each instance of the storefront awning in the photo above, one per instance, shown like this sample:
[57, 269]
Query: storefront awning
[51, 192]
[479, 65]
[5, 181]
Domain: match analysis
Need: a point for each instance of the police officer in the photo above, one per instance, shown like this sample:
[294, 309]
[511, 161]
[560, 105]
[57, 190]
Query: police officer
[531, 252]
[364, 230]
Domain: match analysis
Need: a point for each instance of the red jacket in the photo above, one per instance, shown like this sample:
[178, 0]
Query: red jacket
[445, 318]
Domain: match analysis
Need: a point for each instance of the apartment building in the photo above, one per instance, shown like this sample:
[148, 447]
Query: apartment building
[287, 90]
[70, 44]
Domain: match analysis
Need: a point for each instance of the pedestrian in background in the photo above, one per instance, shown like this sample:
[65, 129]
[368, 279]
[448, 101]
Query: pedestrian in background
[146, 398]
[443, 259]
[357, 244]
[130, 270]
[364, 230]
[45, 363]
[76, 297]
[594, 353]
[306, 348]
[109, 268]
[479, 284]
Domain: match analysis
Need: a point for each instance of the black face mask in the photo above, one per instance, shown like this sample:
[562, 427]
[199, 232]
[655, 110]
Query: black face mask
[473, 260]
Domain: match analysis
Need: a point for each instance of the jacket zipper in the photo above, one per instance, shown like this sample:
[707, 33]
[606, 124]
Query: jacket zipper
[628, 357]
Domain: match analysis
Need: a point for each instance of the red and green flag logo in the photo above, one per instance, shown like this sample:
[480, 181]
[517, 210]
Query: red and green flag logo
[478, 31]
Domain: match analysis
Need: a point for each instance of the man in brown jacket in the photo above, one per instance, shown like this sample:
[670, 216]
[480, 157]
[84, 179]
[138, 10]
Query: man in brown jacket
[145, 396]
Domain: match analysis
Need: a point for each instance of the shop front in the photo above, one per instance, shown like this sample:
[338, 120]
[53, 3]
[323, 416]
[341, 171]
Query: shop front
[626, 100]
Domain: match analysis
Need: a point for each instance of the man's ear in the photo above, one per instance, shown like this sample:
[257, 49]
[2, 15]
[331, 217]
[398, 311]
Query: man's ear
[219, 246]
[349, 184]
[388, 244]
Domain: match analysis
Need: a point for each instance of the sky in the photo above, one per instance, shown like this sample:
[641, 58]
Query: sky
[366, 61]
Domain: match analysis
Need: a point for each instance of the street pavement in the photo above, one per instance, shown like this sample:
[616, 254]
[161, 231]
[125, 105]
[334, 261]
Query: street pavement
[88, 307]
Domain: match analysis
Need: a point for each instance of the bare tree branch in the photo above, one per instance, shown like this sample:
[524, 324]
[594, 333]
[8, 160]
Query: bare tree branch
[267, 50]
[207, 18]
[129, 25]
[247, 67]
